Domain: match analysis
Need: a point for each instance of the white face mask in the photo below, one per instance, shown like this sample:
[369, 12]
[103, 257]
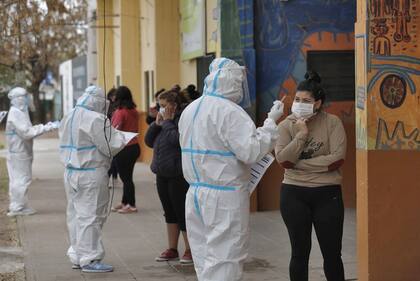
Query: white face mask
[303, 110]
[162, 110]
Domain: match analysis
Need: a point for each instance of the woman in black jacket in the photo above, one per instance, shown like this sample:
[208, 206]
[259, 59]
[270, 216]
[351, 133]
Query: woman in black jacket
[163, 137]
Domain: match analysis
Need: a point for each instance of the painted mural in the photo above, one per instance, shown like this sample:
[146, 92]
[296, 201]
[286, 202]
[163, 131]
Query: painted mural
[285, 30]
[212, 14]
[237, 40]
[393, 76]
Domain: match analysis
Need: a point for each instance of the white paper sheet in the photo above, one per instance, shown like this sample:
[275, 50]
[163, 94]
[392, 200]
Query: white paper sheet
[258, 170]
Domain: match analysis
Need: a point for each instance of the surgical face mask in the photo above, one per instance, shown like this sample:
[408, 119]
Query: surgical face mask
[162, 110]
[303, 110]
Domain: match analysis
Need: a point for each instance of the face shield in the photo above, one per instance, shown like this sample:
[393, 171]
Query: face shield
[21, 102]
[241, 74]
[246, 99]
[19, 98]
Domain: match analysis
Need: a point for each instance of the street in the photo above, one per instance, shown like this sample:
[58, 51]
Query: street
[132, 241]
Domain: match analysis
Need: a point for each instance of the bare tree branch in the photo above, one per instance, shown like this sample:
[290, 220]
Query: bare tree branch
[36, 36]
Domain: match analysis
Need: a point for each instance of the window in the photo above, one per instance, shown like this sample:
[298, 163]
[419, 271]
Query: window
[118, 81]
[149, 87]
[203, 64]
[336, 69]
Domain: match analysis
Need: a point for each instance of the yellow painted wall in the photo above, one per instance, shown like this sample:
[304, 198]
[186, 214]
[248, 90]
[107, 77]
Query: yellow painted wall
[108, 57]
[212, 26]
[130, 50]
[167, 43]
[116, 35]
[148, 44]
[393, 71]
[188, 73]
[388, 140]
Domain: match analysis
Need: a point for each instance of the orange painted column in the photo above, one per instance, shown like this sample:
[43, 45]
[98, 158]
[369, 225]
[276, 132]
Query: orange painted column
[388, 139]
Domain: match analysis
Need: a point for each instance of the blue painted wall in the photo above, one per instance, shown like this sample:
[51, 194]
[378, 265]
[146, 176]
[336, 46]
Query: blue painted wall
[281, 28]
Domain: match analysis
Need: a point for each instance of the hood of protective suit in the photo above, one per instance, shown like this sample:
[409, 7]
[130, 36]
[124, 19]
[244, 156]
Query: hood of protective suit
[225, 79]
[94, 99]
[19, 98]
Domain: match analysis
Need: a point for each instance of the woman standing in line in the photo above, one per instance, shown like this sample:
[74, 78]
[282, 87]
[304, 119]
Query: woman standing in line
[125, 118]
[312, 148]
[163, 137]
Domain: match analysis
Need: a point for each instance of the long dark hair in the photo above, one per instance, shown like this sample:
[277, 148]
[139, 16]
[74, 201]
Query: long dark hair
[123, 98]
[312, 84]
[111, 93]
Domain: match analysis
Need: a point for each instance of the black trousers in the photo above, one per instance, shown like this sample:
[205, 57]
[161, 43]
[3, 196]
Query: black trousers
[126, 159]
[322, 207]
[172, 193]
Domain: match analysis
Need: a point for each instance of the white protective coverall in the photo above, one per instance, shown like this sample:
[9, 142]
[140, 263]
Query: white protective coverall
[86, 155]
[219, 143]
[19, 137]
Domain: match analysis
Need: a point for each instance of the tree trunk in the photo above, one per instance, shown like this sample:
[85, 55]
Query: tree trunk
[39, 114]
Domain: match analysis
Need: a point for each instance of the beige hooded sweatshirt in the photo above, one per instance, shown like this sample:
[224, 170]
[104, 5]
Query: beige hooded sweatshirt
[312, 160]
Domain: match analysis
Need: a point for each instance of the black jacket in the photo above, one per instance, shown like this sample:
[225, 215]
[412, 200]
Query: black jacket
[164, 140]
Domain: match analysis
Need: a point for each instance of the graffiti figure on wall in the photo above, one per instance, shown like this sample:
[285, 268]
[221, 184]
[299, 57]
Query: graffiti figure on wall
[381, 8]
[401, 17]
[381, 44]
[398, 138]
[393, 91]
[393, 71]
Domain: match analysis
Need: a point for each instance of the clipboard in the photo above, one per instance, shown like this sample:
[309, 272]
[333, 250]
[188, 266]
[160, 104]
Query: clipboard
[258, 170]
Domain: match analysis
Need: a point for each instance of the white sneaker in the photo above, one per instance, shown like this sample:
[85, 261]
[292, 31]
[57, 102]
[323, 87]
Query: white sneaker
[28, 211]
[97, 267]
[14, 213]
[23, 212]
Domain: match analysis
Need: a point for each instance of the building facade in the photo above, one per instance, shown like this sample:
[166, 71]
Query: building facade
[367, 54]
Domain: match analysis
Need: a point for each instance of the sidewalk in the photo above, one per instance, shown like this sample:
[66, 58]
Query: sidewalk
[132, 241]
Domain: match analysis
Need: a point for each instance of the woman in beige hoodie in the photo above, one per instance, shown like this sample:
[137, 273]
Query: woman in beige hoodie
[311, 148]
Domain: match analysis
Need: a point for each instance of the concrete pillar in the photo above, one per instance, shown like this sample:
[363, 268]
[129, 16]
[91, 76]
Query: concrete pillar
[167, 43]
[104, 28]
[388, 140]
[130, 49]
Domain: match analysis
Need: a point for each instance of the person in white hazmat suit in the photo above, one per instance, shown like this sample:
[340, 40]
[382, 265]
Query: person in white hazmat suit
[219, 142]
[19, 138]
[87, 144]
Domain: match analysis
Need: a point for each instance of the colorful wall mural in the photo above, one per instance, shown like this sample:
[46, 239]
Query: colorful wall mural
[212, 22]
[237, 39]
[388, 115]
[285, 32]
[282, 32]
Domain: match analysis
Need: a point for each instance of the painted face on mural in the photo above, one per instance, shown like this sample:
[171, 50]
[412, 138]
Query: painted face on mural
[304, 105]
